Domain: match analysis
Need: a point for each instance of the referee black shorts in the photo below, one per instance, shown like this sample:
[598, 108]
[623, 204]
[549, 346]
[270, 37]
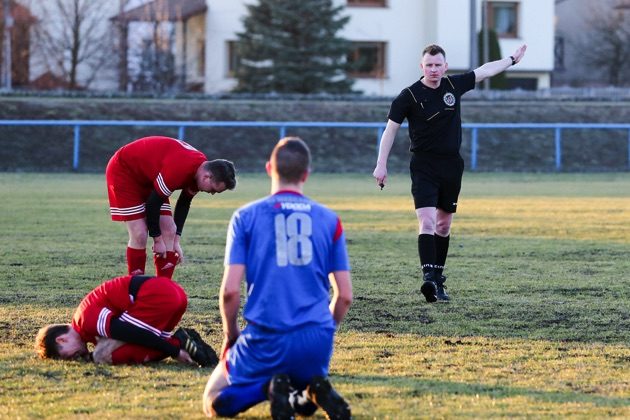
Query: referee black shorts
[436, 181]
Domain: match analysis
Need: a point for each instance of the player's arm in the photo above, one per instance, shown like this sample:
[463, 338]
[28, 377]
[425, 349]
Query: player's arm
[129, 333]
[179, 216]
[495, 67]
[385, 147]
[152, 210]
[181, 210]
[342, 294]
[229, 302]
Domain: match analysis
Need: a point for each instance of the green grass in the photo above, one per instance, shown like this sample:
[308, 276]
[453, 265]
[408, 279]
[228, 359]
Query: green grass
[539, 324]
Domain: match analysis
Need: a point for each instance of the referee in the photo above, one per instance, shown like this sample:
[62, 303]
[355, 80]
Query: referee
[432, 108]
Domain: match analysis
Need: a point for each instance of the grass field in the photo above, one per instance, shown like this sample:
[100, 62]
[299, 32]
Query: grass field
[538, 326]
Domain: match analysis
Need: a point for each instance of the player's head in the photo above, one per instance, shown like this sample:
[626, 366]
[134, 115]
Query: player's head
[216, 176]
[59, 341]
[290, 160]
[433, 63]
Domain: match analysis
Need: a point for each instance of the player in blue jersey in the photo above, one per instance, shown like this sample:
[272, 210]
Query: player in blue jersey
[291, 251]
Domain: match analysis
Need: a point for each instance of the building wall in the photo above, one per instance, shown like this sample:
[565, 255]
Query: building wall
[573, 27]
[223, 22]
[407, 26]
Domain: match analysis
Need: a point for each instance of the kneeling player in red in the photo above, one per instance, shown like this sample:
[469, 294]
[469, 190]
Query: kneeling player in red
[141, 176]
[130, 320]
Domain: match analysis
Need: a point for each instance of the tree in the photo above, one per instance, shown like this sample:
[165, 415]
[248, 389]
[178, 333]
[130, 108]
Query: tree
[157, 63]
[73, 40]
[606, 45]
[292, 47]
[494, 53]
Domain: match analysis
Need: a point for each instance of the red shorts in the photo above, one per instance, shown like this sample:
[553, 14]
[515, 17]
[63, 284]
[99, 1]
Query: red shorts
[127, 197]
[158, 307]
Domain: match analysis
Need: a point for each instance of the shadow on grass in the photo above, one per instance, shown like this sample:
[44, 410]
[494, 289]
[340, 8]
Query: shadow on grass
[408, 388]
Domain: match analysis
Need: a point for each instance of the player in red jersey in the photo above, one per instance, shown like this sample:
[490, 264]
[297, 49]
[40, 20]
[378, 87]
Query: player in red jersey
[130, 320]
[141, 176]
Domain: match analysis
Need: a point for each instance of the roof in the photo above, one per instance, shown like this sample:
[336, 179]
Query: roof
[164, 10]
[20, 14]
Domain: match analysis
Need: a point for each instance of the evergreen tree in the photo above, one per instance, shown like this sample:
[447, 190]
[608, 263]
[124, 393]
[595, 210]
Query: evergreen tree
[291, 46]
[494, 53]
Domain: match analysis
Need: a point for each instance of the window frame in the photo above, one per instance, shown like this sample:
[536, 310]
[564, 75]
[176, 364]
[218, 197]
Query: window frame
[233, 59]
[380, 71]
[490, 13]
[366, 3]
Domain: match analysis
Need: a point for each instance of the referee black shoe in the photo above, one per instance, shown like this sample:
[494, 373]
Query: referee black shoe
[321, 392]
[278, 393]
[429, 287]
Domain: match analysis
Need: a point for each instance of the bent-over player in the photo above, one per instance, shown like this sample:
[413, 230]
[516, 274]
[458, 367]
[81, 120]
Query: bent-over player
[141, 176]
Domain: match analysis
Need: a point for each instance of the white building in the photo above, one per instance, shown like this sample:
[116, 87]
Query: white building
[388, 34]
[393, 33]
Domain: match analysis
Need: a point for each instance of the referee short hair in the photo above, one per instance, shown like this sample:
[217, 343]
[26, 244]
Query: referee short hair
[291, 158]
[433, 49]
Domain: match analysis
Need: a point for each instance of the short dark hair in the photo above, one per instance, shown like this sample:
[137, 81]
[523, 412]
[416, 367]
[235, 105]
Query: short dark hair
[291, 158]
[433, 49]
[46, 340]
[223, 171]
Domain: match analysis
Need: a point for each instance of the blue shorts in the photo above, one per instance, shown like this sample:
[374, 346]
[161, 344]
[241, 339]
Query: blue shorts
[258, 354]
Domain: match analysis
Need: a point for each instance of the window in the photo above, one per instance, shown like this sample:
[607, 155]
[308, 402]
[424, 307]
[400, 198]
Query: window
[367, 60]
[503, 18]
[201, 57]
[367, 3]
[234, 58]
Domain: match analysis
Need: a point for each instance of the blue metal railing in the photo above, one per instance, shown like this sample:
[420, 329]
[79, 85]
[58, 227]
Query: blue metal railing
[283, 125]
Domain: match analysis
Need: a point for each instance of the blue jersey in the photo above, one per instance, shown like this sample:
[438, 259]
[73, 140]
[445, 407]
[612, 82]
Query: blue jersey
[289, 244]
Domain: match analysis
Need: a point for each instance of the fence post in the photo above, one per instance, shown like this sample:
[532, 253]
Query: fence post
[473, 149]
[77, 145]
[283, 131]
[180, 133]
[558, 141]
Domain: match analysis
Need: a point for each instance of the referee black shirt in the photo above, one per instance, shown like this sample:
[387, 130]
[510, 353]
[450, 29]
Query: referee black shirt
[435, 124]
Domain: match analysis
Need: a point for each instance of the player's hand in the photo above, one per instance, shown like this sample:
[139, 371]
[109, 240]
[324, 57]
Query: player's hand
[227, 343]
[104, 348]
[184, 357]
[380, 173]
[159, 247]
[178, 250]
[519, 53]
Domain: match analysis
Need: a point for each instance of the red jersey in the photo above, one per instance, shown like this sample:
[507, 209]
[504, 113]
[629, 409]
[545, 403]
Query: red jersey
[93, 316]
[165, 163]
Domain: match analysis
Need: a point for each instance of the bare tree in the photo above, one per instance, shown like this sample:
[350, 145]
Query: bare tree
[122, 25]
[73, 39]
[606, 43]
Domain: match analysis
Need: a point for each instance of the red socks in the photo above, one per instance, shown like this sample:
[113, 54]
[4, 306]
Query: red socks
[164, 267]
[136, 261]
[137, 258]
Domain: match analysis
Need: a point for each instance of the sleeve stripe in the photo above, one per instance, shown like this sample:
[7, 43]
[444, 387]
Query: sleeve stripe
[162, 185]
[140, 324]
[101, 323]
[338, 230]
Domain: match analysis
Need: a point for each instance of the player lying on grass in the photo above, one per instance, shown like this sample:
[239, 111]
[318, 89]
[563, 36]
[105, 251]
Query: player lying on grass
[141, 176]
[129, 320]
[292, 251]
